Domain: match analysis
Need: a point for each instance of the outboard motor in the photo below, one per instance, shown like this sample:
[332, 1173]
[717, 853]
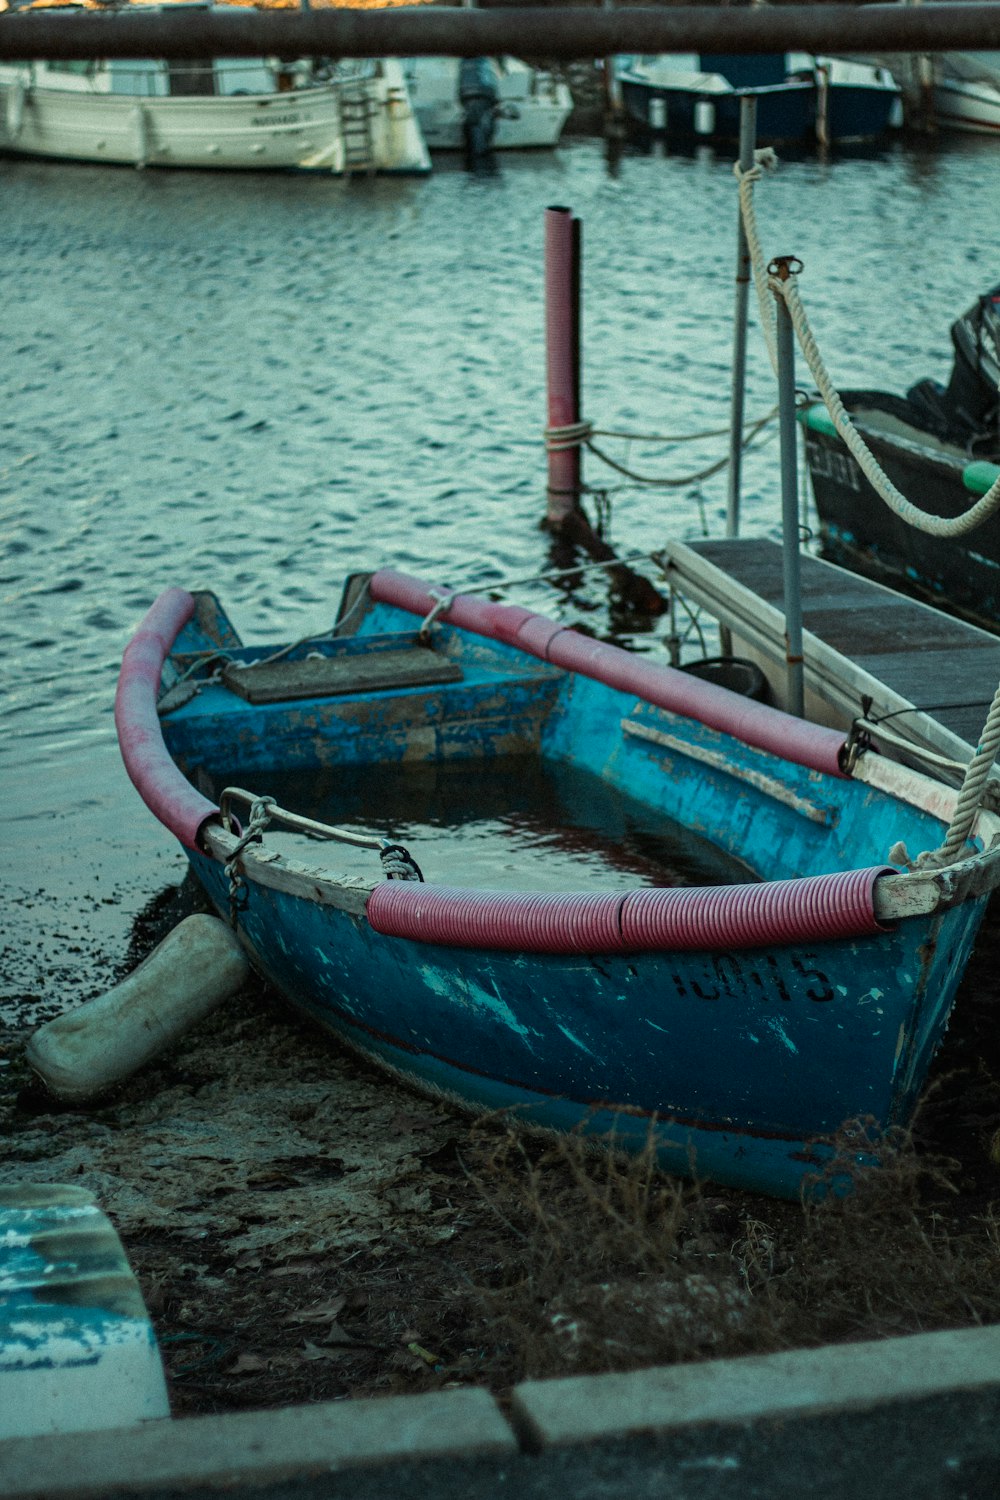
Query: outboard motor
[967, 411]
[479, 96]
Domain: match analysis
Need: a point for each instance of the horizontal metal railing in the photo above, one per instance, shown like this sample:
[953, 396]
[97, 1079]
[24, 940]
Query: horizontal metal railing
[550, 31]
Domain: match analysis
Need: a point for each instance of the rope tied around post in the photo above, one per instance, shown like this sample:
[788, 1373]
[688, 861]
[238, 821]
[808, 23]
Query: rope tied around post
[563, 439]
[582, 434]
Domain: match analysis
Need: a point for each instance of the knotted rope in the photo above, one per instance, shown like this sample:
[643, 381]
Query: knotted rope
[398, 863]
[260, 816]
[582, 434]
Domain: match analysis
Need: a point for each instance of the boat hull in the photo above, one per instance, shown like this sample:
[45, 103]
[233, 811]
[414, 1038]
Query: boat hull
[967, 105]
[301, 130]
[785, 112]
[858, 530]
[799, 99]
[856, 113]
[532, 110]
[735, 1064]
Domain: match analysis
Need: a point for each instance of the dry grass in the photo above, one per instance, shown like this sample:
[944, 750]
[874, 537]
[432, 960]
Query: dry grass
[619, 1266]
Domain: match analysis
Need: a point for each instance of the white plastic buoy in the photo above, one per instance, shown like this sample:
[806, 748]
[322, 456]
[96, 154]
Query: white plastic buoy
[704, 117]
[193, 970]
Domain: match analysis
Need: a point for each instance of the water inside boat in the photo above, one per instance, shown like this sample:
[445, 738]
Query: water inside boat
[509, 823]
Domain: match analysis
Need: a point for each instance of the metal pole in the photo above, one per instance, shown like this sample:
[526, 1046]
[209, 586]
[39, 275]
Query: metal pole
[527, 31]
[748, 141]
[783, 267]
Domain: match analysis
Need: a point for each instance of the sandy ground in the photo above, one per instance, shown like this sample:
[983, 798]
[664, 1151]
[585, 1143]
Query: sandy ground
[304, 1228]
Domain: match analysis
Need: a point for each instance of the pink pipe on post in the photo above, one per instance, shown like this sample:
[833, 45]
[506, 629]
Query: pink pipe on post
[753, 723]
[561, 358]
[165, 791]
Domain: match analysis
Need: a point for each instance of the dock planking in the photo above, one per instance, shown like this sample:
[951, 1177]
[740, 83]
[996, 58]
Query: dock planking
[939, 663]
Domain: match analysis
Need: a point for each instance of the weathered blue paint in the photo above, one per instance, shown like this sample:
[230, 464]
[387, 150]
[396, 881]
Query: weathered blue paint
[745, 1056]
[77, 1348]
[740, 1060]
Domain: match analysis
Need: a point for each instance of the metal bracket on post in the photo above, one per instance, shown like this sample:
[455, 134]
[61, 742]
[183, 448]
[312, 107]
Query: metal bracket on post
[781, 269]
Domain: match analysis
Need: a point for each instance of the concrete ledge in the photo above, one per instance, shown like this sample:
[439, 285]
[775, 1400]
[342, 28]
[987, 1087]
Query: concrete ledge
[920, 1404]
[255, 1447]
[807, 1382]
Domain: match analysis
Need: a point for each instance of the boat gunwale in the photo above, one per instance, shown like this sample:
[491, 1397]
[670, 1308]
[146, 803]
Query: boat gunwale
[924, 446]
[193, 818]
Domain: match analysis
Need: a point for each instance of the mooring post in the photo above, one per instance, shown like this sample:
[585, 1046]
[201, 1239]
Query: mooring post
[563, 241]
[748, 143]
[783, 267]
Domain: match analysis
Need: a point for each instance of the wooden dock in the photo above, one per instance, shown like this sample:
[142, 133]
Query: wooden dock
[935, 674]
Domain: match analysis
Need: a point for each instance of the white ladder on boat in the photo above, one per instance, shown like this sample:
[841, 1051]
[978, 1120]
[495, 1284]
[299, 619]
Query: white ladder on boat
[357, 110]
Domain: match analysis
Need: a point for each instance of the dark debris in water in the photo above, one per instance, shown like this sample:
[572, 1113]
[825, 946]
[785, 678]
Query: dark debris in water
[304, 1229]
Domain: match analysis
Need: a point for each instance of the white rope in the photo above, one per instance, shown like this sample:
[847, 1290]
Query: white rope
[978, 769]
[562, 439]
[940, 526]
[967, 805]
[764, 160]
[582, 434]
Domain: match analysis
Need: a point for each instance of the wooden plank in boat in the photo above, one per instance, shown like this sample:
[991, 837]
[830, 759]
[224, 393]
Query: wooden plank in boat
[328, 676]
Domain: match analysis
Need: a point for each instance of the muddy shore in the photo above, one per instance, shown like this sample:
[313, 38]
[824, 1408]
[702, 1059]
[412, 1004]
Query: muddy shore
[305, 1229]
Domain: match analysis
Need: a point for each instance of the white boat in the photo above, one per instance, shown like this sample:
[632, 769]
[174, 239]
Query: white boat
[249, 113]
[967, 91]
[532, 106]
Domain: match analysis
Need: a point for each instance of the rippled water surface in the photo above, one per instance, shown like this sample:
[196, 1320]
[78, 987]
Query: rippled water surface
[258, 384]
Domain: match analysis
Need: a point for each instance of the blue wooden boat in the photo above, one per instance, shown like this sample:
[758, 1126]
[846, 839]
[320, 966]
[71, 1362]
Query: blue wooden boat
[742, 1022]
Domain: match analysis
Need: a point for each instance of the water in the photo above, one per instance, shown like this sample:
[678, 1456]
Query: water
[260, 384]
[507, 824]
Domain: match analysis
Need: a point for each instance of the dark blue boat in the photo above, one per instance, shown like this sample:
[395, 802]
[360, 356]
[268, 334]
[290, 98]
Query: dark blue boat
[800, 99]
[741, 1018]
[940, 446]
